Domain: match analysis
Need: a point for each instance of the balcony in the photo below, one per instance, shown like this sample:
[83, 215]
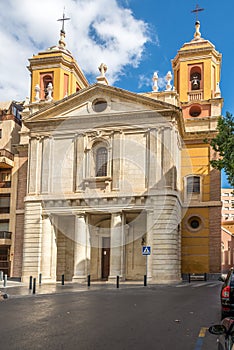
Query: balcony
[196, 95]
[5, 267]
[5, 238]
[5, 235]
[5, 184]
[4, 210]
[6, 159]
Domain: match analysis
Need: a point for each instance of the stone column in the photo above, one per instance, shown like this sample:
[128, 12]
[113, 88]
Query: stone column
[48, 250]
[79, 163]
[32, 174]
[116, 246]
[116, 156]
[167, 158]
[46, 165]
[80, 248]
[152, 158]
[159, 155]
[39, 164]
[32, 240]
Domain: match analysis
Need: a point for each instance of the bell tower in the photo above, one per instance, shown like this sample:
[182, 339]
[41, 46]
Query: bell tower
[196, 69]
[55, 74]
[196, 78]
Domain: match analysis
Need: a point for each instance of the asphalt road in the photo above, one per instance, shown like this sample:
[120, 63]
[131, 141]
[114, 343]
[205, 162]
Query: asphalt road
[152, 317]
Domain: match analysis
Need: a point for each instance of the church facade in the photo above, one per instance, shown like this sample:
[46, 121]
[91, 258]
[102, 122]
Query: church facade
[111, 171]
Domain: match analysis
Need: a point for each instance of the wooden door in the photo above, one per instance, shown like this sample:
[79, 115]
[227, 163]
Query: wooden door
[105, 257]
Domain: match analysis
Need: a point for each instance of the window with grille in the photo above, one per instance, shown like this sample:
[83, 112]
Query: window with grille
[193, 184]
[101, 161]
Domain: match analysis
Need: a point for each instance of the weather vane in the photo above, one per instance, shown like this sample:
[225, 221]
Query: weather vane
[63, 20]
[197, 9]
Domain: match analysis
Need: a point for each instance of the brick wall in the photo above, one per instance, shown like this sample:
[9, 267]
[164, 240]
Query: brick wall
[22, 158]
[215, 181]
[215, 239]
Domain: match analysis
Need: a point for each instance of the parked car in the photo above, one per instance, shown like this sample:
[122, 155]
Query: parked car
[227, 294]
[225, 334]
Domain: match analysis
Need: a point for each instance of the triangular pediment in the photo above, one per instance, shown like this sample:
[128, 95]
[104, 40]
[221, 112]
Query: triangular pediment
[98, 99]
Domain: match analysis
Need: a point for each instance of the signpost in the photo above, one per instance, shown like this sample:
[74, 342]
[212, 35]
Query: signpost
[146, 250]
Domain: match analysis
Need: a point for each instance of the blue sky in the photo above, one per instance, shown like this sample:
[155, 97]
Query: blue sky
[134, 38]
[174, 25]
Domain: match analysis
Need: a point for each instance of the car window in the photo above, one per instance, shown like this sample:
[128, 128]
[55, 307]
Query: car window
[232, 280]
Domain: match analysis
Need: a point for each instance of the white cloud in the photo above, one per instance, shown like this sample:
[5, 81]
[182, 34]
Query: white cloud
[99, 31]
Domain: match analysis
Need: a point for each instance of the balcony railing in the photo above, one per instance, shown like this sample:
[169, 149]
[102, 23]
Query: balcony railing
[196, 95]
[5, 184]
[5, 235]
[7, 154]
[4, 210]
[5, 267]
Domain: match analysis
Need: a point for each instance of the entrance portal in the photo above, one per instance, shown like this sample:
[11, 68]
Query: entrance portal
[105, 257]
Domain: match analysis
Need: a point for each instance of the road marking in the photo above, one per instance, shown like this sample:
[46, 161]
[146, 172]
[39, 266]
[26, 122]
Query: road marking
[182, 285]
[199, 285]
[212, 285]
[200, 339]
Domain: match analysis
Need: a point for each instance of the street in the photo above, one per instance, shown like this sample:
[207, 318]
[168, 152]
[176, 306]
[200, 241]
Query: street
[131, 317]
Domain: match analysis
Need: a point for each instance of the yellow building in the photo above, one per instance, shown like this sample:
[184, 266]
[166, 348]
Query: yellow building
[197, 76]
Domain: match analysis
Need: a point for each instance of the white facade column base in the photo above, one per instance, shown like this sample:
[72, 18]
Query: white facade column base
[80, 279]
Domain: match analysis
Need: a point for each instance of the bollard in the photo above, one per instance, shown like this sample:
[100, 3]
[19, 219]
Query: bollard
[89, 280]
[117, 282]
[40, 278]
[30, 282]
[1, 275]
[5, 281]
[205, 276]
[34, 285]
[145, 280]
[62, 280]
[189, 278]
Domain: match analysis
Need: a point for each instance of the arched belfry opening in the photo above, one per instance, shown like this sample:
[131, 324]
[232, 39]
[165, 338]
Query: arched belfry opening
[46, 79]
[195, 79]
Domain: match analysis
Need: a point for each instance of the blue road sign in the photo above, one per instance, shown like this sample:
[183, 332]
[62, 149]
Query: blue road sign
[146, 250]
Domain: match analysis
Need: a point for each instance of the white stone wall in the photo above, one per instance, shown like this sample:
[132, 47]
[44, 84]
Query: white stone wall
[32, 240]
[166, 249]
[142, 177]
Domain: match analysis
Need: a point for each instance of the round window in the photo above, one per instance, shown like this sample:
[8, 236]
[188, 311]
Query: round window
[99, 105]
[195, 111]
[194, 223]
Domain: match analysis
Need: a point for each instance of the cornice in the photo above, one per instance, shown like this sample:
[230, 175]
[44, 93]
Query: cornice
[61, 106]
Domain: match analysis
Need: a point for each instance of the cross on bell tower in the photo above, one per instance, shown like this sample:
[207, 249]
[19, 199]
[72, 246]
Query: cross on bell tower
[63, 20]
[197, 10]
[197, 34]
[62, 31]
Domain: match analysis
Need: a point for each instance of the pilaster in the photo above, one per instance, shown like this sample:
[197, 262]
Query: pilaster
[48, 250]
[81, 248]
[116, 246]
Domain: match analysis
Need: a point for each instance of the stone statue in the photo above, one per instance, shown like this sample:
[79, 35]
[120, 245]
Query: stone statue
[102, 69]
[155, 80]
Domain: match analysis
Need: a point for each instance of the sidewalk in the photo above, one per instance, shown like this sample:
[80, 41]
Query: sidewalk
[18, 289]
